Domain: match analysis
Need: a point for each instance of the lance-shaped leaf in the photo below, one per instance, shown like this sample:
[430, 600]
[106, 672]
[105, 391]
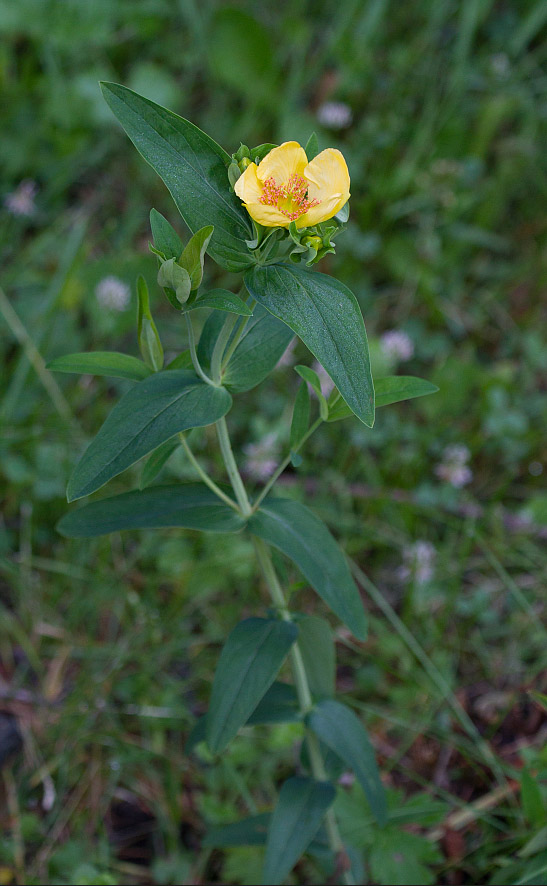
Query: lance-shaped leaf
[301, 807]
[153, 411]
[166, 239]
[193, 255]
[148, 335]
[390, 389]
[300, 417]
[310, 376]
[189, 505]
[342, 731]
[248, 665]
[222, 300]
[297, 532]
[193, 167]
[326, 316]
[102, 363]
[262, 344]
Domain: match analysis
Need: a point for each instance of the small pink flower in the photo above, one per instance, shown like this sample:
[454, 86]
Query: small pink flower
[453, 468]
[397, 345]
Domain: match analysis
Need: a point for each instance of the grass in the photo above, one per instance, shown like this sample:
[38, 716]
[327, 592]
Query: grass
[107, 647]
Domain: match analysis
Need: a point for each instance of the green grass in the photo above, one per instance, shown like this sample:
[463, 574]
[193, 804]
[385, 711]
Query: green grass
[107, 647]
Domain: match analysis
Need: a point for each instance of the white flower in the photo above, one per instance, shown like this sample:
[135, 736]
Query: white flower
[113, 293]
[21, 201]
[397, 345]
[334, 115]
[418, 562]
[262, 458]
[454, 468]
[326, 382]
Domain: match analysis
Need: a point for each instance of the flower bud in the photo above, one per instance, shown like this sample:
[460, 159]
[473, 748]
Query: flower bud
[313, 241]
[244, 162]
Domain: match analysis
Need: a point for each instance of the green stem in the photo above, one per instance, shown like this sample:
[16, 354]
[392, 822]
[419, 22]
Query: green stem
[236, 339]
[304, 695]
[220, 345]
[284, 464]
[204, 476]
[231, 468]
[193, 353]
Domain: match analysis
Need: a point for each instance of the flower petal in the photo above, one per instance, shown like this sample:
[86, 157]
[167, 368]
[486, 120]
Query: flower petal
[326, 209]
[282, 162]
[269, 216]
[328, 175]
[247, 187]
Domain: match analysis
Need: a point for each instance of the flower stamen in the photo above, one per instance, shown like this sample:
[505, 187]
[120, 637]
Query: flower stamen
[291, 198]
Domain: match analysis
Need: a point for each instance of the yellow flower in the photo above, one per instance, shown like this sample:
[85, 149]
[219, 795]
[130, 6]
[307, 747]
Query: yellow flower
[284, 187]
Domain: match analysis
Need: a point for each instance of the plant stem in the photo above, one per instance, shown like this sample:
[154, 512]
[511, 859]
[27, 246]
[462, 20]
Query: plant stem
[284, 464]
[193, 353]
[303, 692]
[220, 345]
[231, 467]
[204, 476]
[236, 339]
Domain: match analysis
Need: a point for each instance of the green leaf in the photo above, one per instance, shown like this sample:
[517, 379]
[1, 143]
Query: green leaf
[222, 300]
[193, 167]
[153, 411]
[102, 363]
[193, 257]
[532, 799]
[398, 858]
[189, 505]
[312, 147]
[343, 214]
[326, 316]
[316, 642]
[250, 831]
[181, 361]
[293, 529]
[300, 809]
[155, 463]
[164, 235]
[339, 728]
[300, 417]
[278, 705]
[248, 665]
[263, 343]
[391, 389]
[172, 276]
[310, 376]
[149, 339]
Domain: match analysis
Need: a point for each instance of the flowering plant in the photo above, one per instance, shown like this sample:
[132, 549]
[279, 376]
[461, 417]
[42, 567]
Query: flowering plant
[268, 213]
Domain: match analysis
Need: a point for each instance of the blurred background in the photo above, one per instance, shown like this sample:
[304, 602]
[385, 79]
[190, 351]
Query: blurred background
[108, 646]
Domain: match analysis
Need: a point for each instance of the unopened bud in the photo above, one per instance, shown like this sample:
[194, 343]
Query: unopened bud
[313, 241]
[244, 162]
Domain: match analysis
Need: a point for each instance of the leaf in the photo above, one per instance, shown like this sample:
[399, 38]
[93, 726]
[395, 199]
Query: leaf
[278, 705]
[301, 807]
[326, 316]
[311, 377]
[157, 460]
[398, 858]
[250, 831]
[391, 389]
[102, 363]
[312, 147]
[343, 214]
[164, 235]
[263, 343]
[189, 505]
[532, 799]
[181, 361]
[193, 255]
[222, 300]
[149, 339]
[293, 529]
[248, 665]
[316, 642]
[153, 411]
[172, 276]
[300, 417]
[193, 167]
[339, 728]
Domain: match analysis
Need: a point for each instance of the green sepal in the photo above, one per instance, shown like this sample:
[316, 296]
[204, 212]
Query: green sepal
[148, 336]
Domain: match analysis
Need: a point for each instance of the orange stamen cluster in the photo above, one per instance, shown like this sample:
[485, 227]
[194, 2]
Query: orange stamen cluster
[293, 195]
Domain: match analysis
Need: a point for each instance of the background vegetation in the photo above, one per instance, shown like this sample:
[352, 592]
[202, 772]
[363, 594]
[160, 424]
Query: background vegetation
[107, 646]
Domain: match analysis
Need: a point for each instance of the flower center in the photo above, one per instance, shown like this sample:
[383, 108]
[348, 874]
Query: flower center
[291, 199]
